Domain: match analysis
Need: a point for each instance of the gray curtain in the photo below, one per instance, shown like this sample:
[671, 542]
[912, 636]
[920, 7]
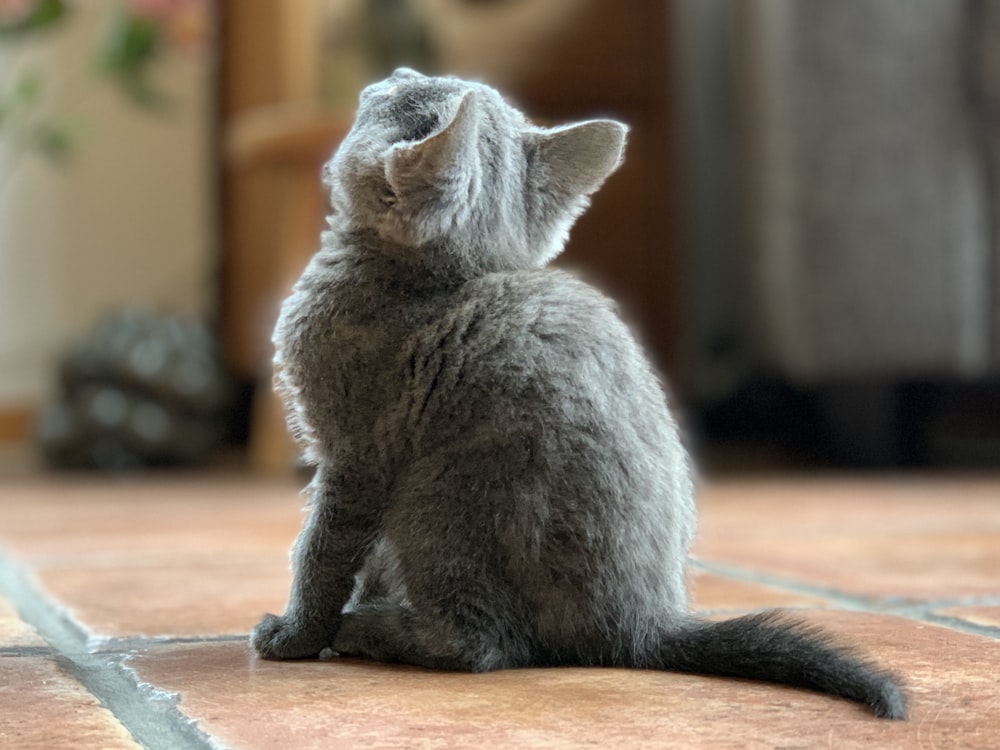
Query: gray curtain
[862, 179]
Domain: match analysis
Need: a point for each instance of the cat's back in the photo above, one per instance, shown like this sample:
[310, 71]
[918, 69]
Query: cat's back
[532, 391]
[532, 346]
[516, 327]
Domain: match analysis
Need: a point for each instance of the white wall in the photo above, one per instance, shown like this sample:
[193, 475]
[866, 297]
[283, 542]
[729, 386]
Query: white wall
[129, 222]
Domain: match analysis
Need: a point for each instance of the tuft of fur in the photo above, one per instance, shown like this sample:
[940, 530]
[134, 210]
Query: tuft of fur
[499, 482]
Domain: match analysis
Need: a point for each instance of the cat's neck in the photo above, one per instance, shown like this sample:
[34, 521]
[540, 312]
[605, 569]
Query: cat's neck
[432, 268]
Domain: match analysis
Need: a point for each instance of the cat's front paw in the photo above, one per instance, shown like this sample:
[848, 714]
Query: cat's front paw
[283, 638]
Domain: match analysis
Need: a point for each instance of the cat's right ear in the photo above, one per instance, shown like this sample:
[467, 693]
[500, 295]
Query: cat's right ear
[577, 159]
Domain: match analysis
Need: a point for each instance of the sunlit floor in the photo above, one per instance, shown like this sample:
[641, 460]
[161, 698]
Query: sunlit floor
[125, 607]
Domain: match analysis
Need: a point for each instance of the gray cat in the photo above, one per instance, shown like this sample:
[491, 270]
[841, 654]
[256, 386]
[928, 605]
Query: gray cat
[499, 482]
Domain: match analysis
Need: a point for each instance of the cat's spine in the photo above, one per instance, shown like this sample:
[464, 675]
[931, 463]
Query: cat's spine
[773, 647]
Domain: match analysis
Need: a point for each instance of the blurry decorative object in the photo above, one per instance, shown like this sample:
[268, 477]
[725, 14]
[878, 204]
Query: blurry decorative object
[136, 35]
[141, 390]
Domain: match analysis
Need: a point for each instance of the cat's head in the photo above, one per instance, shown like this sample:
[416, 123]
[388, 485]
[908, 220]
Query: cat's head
[447, 167]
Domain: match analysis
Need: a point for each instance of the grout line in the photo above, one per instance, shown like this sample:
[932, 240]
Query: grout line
[150, 715]
[799, 587]
[957, 623]
[920, 611]
[26, 651]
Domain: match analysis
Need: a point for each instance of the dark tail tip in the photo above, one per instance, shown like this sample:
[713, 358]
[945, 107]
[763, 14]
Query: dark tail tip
[890, 701]
[775, 648]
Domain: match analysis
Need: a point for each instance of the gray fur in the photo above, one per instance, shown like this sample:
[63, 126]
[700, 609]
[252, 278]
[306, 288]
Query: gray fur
[499, 482]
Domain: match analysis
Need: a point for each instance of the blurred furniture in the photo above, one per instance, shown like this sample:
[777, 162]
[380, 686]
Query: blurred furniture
[290, 142]
[871, 183]
[854, 147]
[276, 138]
[269, 57]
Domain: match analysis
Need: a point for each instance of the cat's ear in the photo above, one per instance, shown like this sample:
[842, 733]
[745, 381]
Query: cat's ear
[577, 159]
[447, 155]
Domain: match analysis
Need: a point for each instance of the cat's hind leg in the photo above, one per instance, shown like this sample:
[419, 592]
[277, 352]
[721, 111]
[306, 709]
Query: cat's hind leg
[388, 632]
[373, 631]
[452, 605]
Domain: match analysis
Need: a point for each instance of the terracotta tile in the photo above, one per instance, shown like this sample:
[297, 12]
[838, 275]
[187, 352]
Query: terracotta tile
[185, 557]
[163, 602]
[988, 616]
[909, 539]
[140, 557]
[43, 707]
[714, 592]
[178, 601]
[197, 519]
[851, 502]
[189, 556]
[246, 703]
[911, 567]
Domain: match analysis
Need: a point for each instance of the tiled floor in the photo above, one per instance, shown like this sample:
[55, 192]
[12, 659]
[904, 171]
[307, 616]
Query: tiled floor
[124, 608]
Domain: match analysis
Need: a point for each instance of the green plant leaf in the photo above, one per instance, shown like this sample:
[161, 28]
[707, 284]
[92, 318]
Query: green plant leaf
[45, 15]
[20, 95]
[27, 88]
[131, 43]
[58, 140]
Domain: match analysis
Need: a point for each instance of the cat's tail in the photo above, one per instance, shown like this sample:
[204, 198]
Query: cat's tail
[776, 648]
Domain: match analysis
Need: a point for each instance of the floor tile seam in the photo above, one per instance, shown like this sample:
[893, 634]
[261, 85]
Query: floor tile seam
[8, 652]
[792, 585]
[926, 611]
[860, 527]
[930, 612]
[962, 625]
[971, 600]
[151, 715]
[749, 574]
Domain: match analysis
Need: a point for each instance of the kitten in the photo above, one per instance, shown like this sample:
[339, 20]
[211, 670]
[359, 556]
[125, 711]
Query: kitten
[499, 482]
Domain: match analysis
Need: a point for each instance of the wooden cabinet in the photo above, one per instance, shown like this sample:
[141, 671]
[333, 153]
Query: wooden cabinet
[270, 57]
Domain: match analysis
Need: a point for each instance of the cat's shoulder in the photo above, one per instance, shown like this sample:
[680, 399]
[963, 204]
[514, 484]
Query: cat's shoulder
[544, 298]
[513, 314]
[539, 289]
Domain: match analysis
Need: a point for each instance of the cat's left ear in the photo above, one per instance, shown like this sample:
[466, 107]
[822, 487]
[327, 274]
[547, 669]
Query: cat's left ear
[578, 158]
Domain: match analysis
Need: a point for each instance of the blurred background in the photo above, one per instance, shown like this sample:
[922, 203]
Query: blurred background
[804, 233]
